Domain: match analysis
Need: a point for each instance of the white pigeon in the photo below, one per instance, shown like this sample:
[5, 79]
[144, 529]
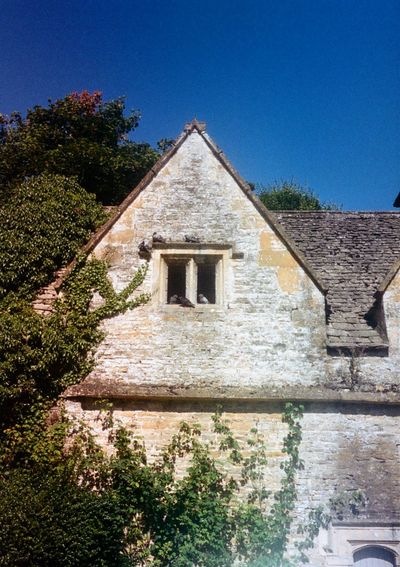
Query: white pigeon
[203, 298]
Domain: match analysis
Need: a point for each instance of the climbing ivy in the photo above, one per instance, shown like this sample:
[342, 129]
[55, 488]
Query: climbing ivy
[84, 506]
[64, 502]
[41, 356]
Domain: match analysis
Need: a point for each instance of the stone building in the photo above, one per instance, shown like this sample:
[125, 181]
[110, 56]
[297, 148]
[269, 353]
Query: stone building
[301, 306]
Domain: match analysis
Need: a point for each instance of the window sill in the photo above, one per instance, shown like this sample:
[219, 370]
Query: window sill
[199, 308]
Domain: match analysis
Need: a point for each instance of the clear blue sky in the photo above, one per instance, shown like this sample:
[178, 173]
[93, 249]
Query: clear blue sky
[303, 89]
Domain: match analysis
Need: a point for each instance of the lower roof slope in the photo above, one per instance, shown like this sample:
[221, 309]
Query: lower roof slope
[351, 253]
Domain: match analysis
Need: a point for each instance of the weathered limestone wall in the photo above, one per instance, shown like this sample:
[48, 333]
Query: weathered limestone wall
[270, 330]
[352, 447]
[392, 315]
[155, 423]
[271, 326]
[345, 447]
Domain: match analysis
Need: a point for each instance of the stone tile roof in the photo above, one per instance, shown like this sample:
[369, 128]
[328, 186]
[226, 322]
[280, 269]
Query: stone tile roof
[352, 254]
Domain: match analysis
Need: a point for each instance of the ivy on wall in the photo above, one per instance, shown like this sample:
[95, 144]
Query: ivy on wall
[81, 507]
[41, 356]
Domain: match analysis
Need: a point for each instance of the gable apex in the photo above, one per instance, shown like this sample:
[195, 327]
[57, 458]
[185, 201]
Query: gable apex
[195, 125]
[198, 128]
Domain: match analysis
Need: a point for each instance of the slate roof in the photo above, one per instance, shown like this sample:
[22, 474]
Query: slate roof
[352, 254]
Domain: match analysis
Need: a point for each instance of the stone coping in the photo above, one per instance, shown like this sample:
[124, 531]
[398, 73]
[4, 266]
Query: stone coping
[368, 522]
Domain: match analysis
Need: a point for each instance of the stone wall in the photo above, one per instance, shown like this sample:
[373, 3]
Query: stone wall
[345, 447]
[268, 333]
[271, 326]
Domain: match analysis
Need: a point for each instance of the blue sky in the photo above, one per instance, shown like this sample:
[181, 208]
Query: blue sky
[303, 89]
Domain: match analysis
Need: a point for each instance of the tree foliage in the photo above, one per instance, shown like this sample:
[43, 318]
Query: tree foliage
[79, 135]
[59, 523]
[41, 356]
[42, 224]
[81, 507]
[289, 195]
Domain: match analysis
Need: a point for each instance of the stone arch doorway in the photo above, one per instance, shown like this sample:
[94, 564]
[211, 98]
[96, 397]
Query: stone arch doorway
[374, 556]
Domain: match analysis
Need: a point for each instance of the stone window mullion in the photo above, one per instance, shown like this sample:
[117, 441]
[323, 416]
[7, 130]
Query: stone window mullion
[191, 280]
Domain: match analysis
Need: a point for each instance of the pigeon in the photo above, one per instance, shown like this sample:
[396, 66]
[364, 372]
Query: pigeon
[185, 302]
[174, 299]
[203, 298]
[191, 238]
[158, 238]
[145, 248]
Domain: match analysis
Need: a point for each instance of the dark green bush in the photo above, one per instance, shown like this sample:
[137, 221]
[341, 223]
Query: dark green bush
[42, 224]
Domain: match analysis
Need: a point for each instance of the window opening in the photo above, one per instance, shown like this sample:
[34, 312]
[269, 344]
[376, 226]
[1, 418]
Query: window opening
[197, 277]
[176, 281]
[206, 283]
[374, 557]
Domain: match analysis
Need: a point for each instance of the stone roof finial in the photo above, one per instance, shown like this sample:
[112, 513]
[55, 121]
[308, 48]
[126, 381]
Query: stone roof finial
[200, 126]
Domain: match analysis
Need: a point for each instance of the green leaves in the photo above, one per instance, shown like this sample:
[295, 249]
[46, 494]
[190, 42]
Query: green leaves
[264, 522]
[79, 135]
[42, 224]
[41, 356]
[49, 519]
[289, 195]
[68, 503]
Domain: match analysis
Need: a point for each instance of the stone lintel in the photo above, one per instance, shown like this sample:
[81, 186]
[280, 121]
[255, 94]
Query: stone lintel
[393, 522]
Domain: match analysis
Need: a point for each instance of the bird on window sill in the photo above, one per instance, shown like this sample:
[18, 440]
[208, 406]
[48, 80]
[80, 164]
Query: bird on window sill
[185, 302]
[158, 238]
[203, 299]
[192, 238]
[145, 248]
